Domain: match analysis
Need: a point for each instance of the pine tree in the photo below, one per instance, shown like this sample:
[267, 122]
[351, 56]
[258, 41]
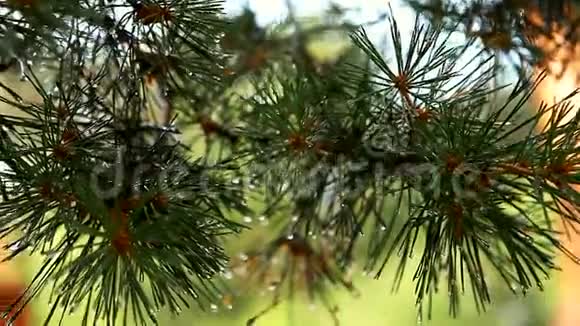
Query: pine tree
[104, 177]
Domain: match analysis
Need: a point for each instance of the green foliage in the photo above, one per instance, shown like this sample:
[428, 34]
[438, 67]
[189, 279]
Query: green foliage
[415, 154]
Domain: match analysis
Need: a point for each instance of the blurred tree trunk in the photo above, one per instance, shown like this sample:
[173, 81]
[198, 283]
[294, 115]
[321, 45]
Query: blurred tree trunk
[562, 79]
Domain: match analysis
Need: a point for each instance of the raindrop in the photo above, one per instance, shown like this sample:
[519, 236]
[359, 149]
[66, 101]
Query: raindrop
[383, 228]
[524, 290]
[213, 307]
[248, 219]
[16, 246]
[295, 218]
[228, 275]
[236, 181]
[152, 312]
[262, 219]
[193, 294]
[290, 236]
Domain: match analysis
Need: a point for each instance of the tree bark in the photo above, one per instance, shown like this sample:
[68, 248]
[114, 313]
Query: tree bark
[562, 79]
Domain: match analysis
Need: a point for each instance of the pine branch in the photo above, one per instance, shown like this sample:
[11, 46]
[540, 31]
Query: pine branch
[414, 151]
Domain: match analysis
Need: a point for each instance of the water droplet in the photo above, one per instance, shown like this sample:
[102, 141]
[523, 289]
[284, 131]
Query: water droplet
[290, 236]
[236, 181]
[419, 319]
[213, 307]
[263, 220]
[193, 294]
[248, 219]
[295, 218]
[152, 312]
[383, 228]
[228, 275]
[15, 246]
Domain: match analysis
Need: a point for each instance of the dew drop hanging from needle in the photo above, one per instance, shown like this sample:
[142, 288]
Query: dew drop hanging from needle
[213, 307]
[263, 220]
[228, 275]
